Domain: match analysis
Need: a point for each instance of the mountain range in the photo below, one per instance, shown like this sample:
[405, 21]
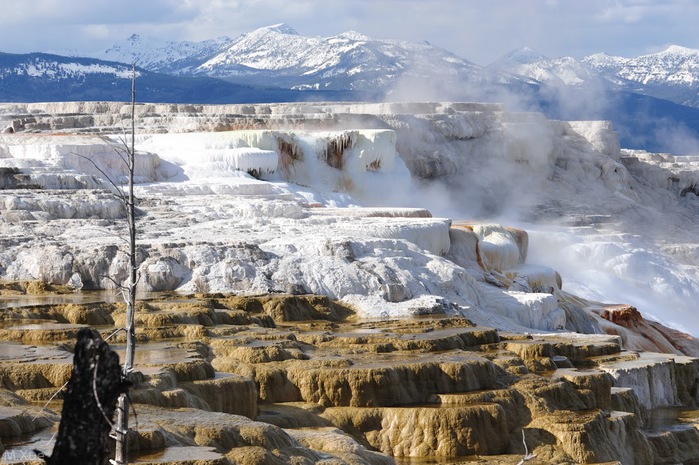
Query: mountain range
[672, 74]
[652, 99]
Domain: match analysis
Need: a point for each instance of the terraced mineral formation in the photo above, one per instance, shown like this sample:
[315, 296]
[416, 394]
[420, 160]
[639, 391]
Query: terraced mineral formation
[299, 379]
[344, 293]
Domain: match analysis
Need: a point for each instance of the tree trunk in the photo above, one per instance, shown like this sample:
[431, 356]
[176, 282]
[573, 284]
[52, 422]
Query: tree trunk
[89, 404]
[122, 426]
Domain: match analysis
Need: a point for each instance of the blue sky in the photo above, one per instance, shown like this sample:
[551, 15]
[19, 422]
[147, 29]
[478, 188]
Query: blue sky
[478, 30]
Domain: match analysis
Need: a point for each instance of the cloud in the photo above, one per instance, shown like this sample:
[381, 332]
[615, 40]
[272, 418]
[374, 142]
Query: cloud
[48, 25]
[473, 29]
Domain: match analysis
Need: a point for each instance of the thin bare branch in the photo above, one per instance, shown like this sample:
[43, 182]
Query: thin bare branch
[97, 397]
[119, 193]
[114, 333]
[133, 410]
[119, 286]
[120, 153]
[527, 456]
[50, 400]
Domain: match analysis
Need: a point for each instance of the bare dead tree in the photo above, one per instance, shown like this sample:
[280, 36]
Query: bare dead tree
[122, 423]
[94, 384]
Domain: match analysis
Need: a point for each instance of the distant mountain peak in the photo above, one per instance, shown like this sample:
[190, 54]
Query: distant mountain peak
[354, 35]
[281, 28]
[600, 55]
[520, 56]
[160, 55]
[345, 62]
[679, 50]
[526, 51]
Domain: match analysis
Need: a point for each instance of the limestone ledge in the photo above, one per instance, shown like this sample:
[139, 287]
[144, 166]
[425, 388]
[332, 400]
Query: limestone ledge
[298, 379]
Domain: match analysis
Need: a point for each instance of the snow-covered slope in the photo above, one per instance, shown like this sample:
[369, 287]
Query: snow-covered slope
[39, 77]
[652, 99]
[672, 74]
[674, 66]
[163, 56]
[279, 55]
[59, 68]
[560, 71]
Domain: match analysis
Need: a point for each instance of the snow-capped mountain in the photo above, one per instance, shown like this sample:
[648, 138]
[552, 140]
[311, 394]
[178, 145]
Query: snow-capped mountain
[520, 56]
[347, 61]
[277, 55]
[559, 71]
[676, 65]
[672, 74]
[34, 76]
[41, 77]
[59, 68]
[652, 99]
[644, 96]
[168, 57]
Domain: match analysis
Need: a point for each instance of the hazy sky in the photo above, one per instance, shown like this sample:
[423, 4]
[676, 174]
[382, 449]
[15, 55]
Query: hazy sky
[478, 30]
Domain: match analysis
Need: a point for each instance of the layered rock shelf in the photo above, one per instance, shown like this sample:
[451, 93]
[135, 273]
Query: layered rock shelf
[327, 283]
[299, 379]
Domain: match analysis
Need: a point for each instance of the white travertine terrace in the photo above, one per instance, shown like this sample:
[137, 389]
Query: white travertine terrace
[332, 198]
